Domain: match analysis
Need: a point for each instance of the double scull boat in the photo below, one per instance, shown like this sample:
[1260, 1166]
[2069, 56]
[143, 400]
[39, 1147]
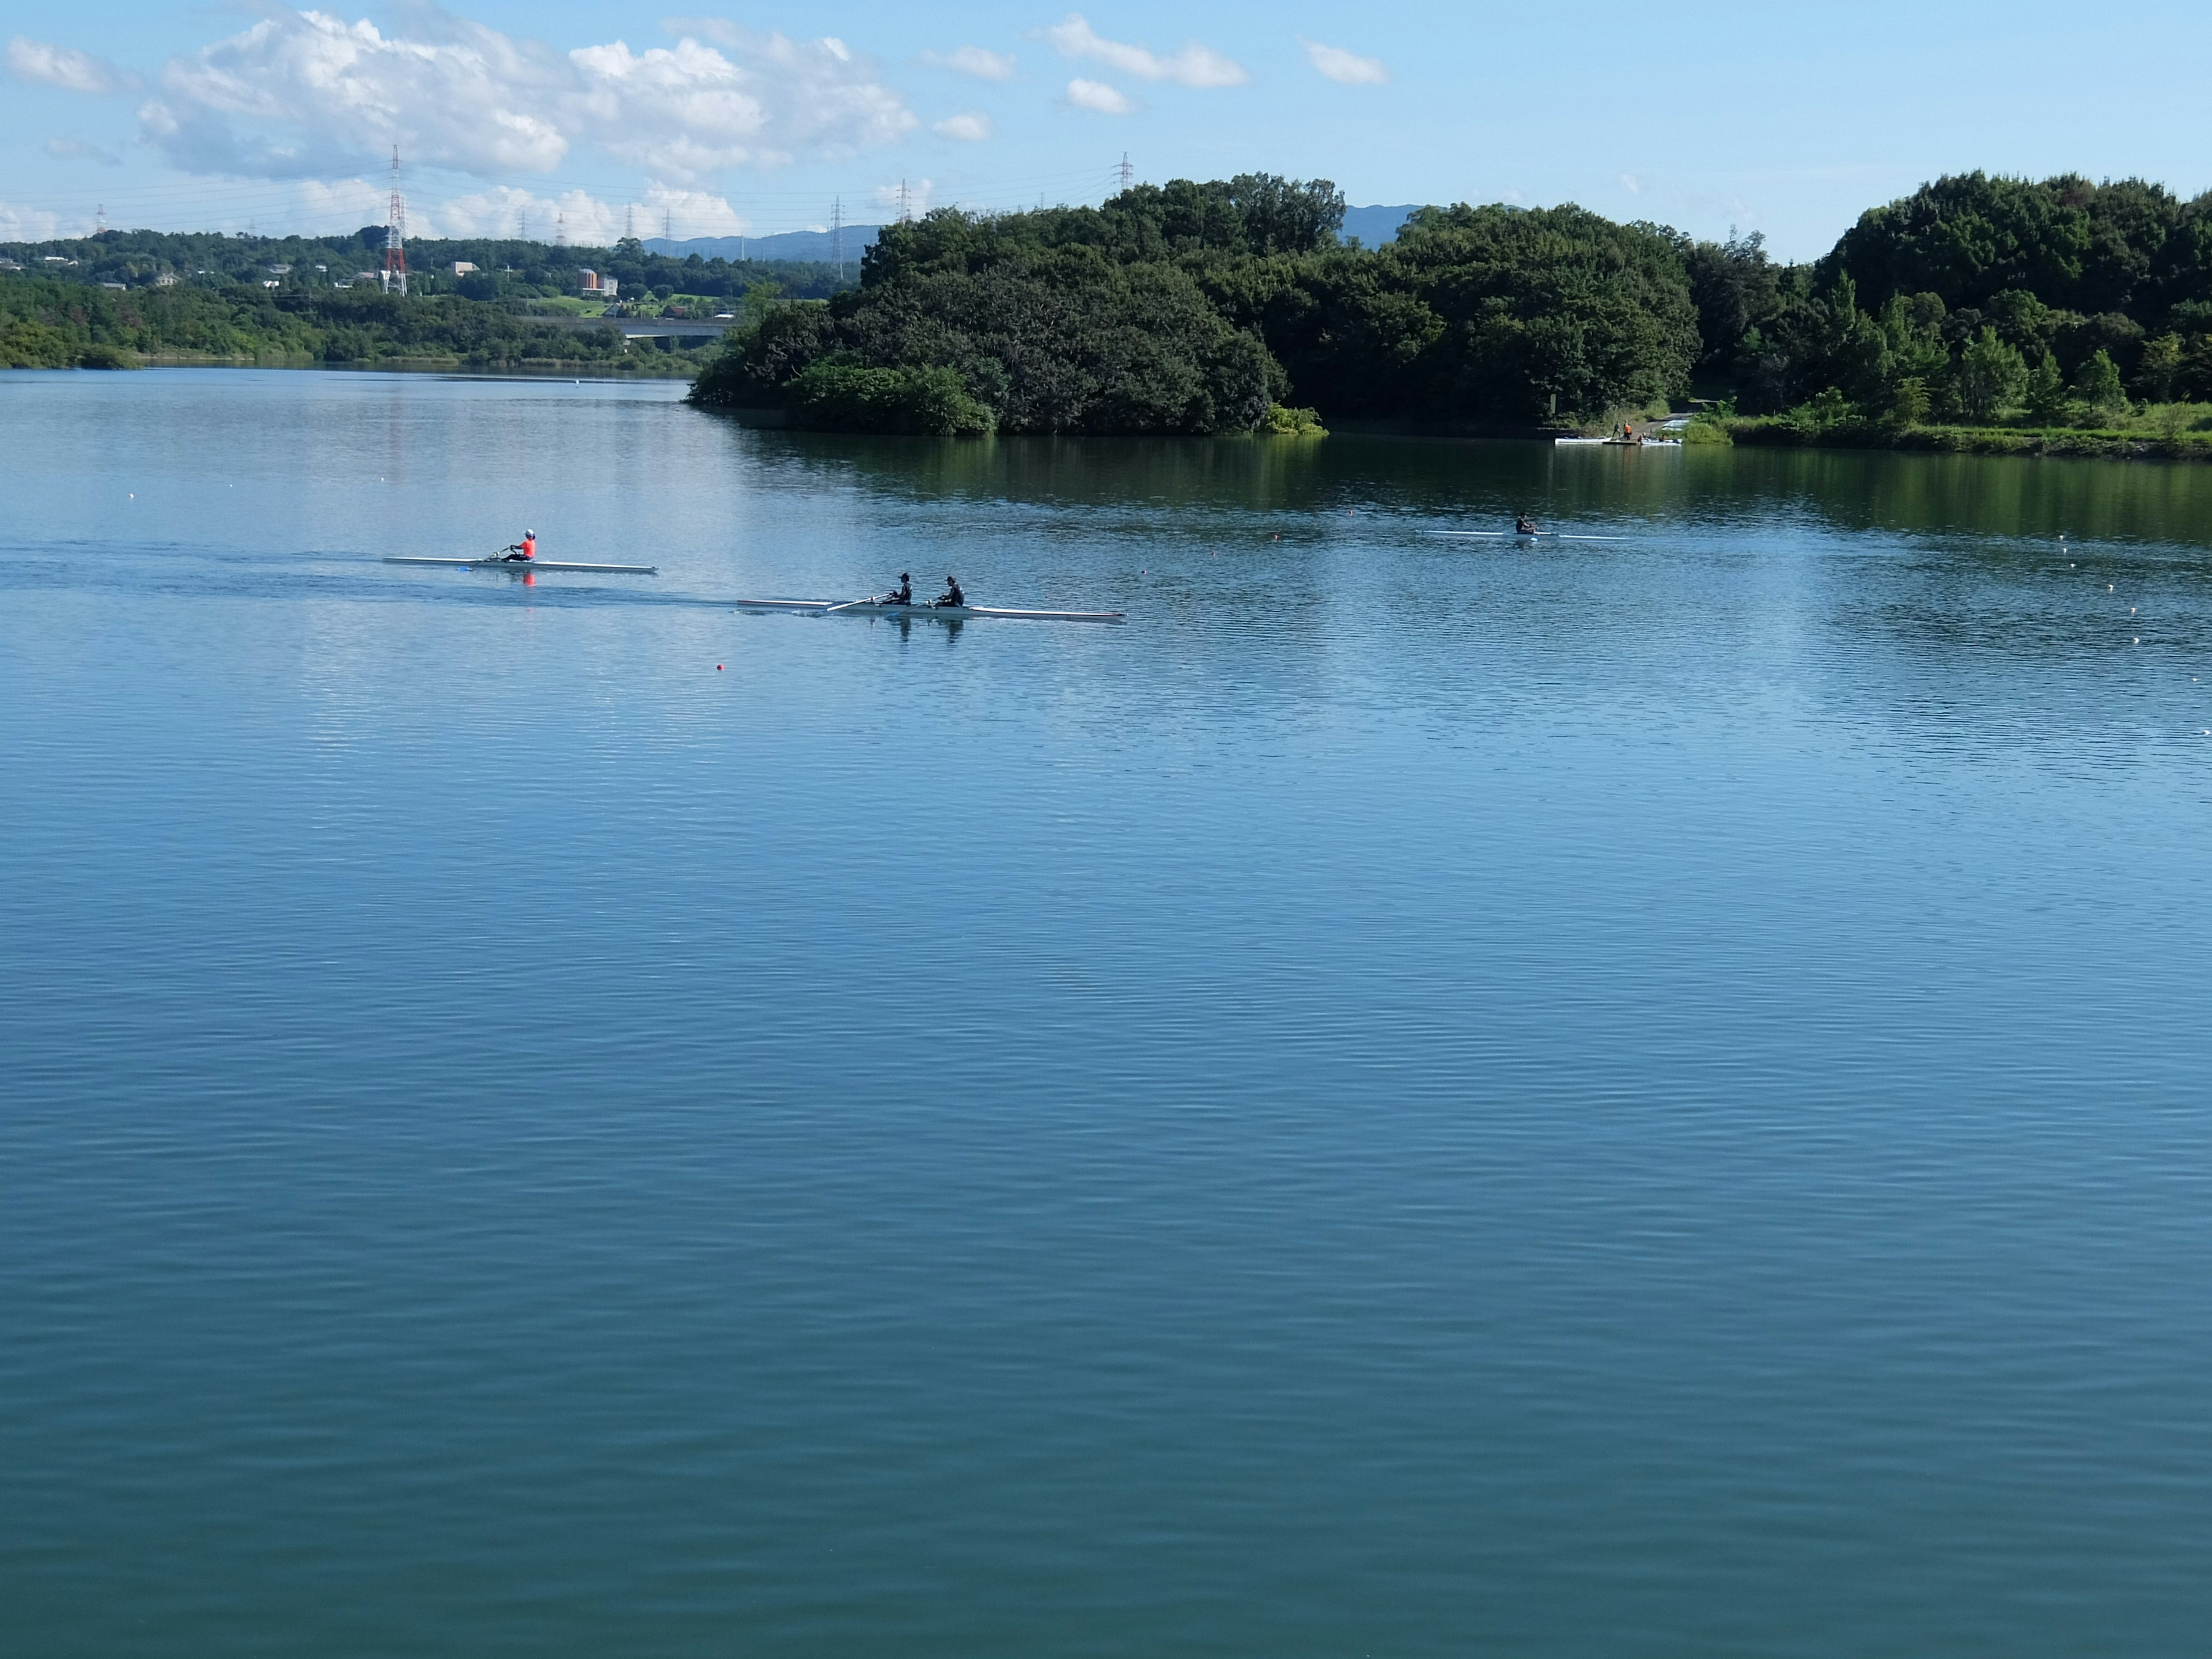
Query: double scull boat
[877, 607]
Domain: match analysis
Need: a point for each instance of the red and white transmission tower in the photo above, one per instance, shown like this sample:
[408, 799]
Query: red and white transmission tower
[395, 234]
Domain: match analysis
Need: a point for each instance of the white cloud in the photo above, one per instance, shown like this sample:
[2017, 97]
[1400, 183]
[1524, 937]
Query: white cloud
[918, 193]
[81, 150]
[1096, 94]
[65, 67]
[692, 213]
[971, 128]
[350, 204]
[27, 224]
[586, 220]
[760, 98]
[304, 93]
[1194, 66]
[978, 61]
[1347, 68]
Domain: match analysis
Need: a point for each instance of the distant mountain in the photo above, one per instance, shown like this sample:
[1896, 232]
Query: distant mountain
[786, 245]
[1375, 226]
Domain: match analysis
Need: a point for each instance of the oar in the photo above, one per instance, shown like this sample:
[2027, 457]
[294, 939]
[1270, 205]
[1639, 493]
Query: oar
[872, 598]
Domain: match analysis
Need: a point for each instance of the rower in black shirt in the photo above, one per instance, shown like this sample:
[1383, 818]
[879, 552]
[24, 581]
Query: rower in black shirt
[952, 595]
[903, 593]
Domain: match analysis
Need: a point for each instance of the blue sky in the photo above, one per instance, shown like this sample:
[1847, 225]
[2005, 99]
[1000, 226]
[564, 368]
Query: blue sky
[1785, 120]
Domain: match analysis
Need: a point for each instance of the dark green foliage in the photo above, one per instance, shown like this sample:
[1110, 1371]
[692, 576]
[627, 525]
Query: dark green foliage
[1194, 307]
[1737, 289]
[2061, 270]
[837, 397]
[1043, 326]
[1491, 313]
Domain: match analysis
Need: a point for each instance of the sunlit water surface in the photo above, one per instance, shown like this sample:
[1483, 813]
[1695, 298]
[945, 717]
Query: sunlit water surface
[1423, 1096]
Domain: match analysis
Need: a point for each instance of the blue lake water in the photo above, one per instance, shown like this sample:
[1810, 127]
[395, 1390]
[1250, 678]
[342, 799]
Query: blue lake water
[1422, 1097]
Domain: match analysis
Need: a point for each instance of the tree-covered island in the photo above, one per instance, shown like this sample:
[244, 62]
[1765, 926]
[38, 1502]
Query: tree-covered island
[1980, 313]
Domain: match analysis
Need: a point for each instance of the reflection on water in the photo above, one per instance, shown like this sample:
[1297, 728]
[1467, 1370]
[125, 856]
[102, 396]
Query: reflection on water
[1424, 1094]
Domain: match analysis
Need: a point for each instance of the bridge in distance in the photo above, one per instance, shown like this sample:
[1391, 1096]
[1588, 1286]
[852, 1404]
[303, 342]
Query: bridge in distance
[683, 331]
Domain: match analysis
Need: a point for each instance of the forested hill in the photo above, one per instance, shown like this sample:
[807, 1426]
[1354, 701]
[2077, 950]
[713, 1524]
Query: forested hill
[508, 269]
[124, 296]
[1200, 307]
[1975, 299]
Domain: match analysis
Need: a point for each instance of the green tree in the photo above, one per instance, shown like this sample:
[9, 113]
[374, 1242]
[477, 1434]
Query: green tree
[1735, 288]
[834, 397]
[2157, 368]
[1990, 378]
[2046, 393]
[2097, 383]
[1908, 401]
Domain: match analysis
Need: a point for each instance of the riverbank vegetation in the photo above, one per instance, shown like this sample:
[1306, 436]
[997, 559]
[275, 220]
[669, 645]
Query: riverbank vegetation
[49, 322]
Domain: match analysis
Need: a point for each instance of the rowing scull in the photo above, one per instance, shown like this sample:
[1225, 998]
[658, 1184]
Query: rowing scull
[932, 612]
[1524, 535]
[522, 567]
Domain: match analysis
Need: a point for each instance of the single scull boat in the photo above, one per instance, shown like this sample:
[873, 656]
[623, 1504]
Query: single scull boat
[928, 613]
[1524, 536]
[522, 567]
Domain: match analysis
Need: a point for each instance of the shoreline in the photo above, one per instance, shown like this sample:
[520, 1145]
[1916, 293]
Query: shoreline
[2025, 443]
[526, 368]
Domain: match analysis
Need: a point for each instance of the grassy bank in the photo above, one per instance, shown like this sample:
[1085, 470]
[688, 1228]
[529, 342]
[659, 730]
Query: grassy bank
[2121, 443]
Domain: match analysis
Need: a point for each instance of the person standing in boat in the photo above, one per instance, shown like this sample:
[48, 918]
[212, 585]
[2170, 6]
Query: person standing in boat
[903, 593]
[952, 595]
[525, 548]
